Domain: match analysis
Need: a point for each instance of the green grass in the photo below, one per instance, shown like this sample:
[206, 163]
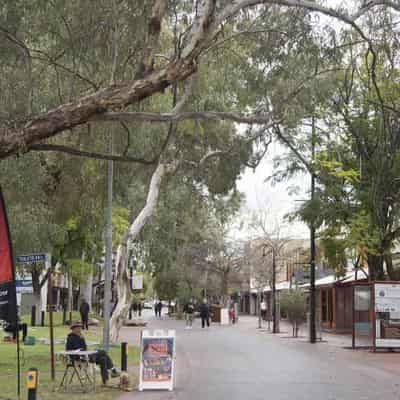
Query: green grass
[38, 356]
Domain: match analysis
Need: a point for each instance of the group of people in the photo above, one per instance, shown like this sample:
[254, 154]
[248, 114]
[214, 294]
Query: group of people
[204, 310]
[136, 309]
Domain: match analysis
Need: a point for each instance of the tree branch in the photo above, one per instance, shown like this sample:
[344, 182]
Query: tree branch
[146, 65]
[18, 135]
[88, 154]
[288, 143]
[181, 116]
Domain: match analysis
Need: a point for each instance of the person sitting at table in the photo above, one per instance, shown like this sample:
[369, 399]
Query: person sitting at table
[75, 342]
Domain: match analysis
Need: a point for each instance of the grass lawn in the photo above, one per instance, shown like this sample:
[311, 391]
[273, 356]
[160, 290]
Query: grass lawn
[38, 356]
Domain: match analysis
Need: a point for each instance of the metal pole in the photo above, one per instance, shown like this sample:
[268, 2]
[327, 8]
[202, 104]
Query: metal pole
[51, 327]
[18, 356]
[108, 261]
[274, 316]
[124, 356]
[259, 308]
[312, 246]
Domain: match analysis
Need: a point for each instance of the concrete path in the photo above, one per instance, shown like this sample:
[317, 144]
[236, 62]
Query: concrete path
[238, 362]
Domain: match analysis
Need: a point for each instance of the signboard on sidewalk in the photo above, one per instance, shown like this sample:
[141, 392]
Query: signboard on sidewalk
[157, 360]
[137, 282]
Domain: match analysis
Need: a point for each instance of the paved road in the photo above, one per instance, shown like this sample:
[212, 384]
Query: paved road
[237, 362]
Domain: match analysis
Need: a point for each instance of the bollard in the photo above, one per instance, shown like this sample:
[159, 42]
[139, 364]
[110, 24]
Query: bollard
[43, 315]
[124, 356]
[32, 383]
[33, 316]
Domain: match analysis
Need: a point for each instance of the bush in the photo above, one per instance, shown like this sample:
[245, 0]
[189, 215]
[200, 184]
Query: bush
[294, 305]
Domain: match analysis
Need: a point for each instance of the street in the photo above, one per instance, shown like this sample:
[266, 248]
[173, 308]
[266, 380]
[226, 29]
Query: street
[238, 362]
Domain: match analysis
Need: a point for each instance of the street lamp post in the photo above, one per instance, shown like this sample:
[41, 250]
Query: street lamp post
[275, 328]
[312, 245]
[109, 256]
[259, 308]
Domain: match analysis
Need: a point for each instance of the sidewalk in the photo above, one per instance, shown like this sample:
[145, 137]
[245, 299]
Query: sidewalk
[220, 363]
[334, 343]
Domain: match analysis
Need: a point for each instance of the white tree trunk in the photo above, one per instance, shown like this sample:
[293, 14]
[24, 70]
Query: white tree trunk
[86, 290]
[122, 278]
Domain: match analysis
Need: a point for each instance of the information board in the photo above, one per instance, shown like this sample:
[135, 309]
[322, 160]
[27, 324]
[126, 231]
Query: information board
[387, 311]
[387, 297]
[23, 284]
[157, 360]
[137, 282]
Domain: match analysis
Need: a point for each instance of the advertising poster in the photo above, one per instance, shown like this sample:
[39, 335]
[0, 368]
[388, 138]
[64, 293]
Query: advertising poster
[157, 361]
[8, 299]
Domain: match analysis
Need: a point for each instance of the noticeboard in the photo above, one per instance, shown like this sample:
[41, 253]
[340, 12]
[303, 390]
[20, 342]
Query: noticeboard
[157, 360]
[387, 315]
[387, 298]
[137, 282]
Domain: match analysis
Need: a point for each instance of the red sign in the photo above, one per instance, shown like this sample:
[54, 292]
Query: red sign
[8, 303]
[6, 270]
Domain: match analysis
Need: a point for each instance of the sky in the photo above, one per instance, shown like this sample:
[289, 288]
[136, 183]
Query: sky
[263, 195]
[260, 194]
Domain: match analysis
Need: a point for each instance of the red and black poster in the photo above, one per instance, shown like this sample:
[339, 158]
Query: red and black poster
[8, 300]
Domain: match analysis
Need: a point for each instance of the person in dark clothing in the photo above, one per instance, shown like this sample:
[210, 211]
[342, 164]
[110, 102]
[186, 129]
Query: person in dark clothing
[134, 309]
[84, 311]
[159, 308]
[75, 341]
[205, 314]
[10, 328]
[139, 307]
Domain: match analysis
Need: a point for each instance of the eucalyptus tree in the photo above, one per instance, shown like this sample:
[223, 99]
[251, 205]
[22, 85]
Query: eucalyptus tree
[84, 71]
[80, 32]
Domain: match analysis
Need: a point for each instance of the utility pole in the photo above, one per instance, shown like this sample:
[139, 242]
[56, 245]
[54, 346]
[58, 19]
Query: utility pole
[312, 243]
[259, 307]
[274, 316]
[109, 258]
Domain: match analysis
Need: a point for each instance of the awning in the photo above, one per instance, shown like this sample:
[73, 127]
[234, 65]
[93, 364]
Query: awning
[332, 279]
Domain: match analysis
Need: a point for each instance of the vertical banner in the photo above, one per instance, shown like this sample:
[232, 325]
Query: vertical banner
[8, 303]
[8, 292]
[157, 361]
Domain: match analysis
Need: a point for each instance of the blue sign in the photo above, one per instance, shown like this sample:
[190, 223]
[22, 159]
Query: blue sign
[31, 258]
[24, 285]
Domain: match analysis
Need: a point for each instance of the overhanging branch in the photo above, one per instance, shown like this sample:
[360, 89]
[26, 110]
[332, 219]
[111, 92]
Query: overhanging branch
[88, 154]
[181, 116]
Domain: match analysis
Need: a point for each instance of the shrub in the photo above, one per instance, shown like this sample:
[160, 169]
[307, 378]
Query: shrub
[294, 305]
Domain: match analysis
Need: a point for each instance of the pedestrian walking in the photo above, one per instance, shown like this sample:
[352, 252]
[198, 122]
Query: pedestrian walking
[189, 311]
[84, 310]
[140, 309]
[263, 307]
[159, 308]
[205, 314]
[232, 314]
[134, 309]
[155, 305]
